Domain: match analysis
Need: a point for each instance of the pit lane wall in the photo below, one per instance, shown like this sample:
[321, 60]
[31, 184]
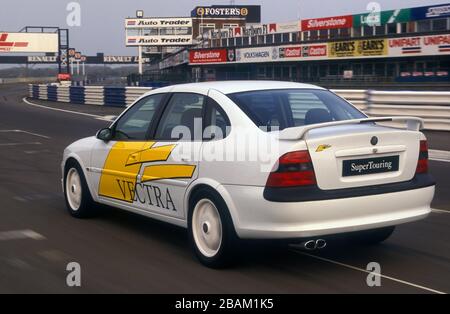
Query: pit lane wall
[433, 107]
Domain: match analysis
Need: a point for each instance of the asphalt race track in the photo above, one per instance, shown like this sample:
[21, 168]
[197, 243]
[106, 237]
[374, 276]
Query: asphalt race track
[123, 253]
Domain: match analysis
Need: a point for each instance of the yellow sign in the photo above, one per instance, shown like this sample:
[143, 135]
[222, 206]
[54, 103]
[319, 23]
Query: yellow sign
[124, 162]
[358, 48]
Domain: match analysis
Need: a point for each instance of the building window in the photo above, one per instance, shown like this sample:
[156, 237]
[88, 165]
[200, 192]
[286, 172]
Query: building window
[224, 42]
[344, 32]
[269, 39]
[392, 28]
[323, 34]
[295, 37]
[305, 36]
[440, 25]
[334, 33]
[230, 25]
[333, 69]
[205, 28]
[277, 38]
[239, 41]
[368, 69]
[368, 30]
[380, 30]
[261, 39]
[380, 69]
[356, 31]
[313, 35]
[403, 28]
[285, 38]
[246, 41]
[424, 26]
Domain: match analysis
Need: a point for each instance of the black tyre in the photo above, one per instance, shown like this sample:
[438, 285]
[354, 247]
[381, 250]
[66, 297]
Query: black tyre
[78, 198]
[211, 231]
[374, 236]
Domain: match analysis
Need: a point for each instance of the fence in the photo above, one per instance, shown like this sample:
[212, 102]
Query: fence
[433, 107]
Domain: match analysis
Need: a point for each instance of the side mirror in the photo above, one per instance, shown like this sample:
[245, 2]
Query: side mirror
[105, 134]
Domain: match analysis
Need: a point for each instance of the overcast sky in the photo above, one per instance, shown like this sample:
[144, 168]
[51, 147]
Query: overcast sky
[102, 21]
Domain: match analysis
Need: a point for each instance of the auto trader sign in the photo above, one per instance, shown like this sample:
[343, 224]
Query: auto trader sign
[158, 22]
[178, 40]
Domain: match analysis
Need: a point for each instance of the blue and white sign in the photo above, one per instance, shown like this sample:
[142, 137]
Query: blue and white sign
[429, 12]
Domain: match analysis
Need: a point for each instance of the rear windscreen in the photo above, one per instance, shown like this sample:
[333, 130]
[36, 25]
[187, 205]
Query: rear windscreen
[281, 109]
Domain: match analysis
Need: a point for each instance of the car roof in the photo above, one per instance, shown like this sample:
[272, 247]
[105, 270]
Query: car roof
[230, 87]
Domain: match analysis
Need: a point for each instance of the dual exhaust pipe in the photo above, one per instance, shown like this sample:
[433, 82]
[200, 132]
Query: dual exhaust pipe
[312, 245]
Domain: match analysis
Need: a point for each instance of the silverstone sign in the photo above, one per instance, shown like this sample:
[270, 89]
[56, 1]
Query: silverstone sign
[28, 42]
[327, 23]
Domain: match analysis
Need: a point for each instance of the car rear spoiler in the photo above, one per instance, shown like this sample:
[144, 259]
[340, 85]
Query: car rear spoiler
[298, 133]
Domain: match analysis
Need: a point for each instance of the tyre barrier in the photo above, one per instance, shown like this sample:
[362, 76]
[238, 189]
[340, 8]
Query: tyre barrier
[88, 95]
[432, 107]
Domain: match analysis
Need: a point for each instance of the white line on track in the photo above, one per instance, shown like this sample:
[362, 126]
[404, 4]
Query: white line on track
[26, 132]
[18, 144]
[64, 110]
[20, 235]
[440, 211]
[368, 272]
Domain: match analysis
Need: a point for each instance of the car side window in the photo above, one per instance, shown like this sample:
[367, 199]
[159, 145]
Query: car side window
[217, 124]
[182, 118]
[135, 123]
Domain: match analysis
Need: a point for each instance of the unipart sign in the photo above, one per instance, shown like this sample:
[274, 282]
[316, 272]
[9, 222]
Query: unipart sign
[327, 23]
[208, 56]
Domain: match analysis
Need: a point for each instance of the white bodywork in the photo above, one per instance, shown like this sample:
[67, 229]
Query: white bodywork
[241, 183]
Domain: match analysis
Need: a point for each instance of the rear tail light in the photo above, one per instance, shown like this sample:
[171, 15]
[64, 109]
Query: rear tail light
[422, 165]
[294, 169]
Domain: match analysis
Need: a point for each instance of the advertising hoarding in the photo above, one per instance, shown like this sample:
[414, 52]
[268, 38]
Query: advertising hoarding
[358, 48]
[420, 45]
[258, 54]
[251, 13]
[158, 22]
[432, 45]
[384, 17]
[432, 11]
[29, 42]
[345, 21]
[168, 40]
[208, 56]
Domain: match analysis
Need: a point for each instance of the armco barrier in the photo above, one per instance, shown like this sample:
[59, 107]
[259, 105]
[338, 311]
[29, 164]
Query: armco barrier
[433, 107]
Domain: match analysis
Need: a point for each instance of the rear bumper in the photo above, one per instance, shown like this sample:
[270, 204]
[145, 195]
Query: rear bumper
[306, 194]
[257, 218]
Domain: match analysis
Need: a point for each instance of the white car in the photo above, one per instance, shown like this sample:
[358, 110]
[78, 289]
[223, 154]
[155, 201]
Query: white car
[261, 160]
